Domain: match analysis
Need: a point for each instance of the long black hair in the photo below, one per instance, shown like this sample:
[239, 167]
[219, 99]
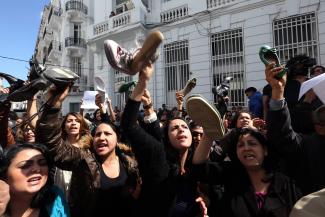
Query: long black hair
[171, 153]
[45, 195]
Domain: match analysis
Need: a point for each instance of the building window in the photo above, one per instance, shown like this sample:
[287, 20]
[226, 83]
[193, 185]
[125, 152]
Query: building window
[74, 106]
[228, 60]
[76, 32]
[76, 67]
[296, 35]
[177, 71]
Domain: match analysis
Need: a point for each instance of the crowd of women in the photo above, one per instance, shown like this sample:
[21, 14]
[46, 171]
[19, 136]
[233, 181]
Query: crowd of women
[204, 166]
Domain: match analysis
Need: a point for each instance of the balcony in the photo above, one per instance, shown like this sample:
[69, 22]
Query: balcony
[54, 18]
[75, 42]
[76, 10]
[101, 28]
[122, 19]
[219, 3]
[127, 18]
[174, 14]
[76, 6]
[54, 51]
[75, 46]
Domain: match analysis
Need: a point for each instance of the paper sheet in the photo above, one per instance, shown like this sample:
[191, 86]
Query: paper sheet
[89, 100]
[317, 84]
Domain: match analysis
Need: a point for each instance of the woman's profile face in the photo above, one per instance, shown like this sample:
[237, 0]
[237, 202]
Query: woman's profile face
[27, 172]
[179, 134]
[250, 152]
[244, 120]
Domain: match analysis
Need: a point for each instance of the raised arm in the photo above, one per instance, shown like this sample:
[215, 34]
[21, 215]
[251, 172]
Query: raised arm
[180, 101]
[32, 111]
[149, 151]
[280, 131]
[151, 122]
[111, 111]
[48, 132]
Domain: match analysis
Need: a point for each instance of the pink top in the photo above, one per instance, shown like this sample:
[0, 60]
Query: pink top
[260, 198]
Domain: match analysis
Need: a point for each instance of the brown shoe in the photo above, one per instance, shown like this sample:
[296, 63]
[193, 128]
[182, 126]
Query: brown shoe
[188, 87]
[148, 51]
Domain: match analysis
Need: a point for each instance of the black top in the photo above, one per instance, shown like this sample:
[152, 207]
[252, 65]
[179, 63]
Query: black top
[164, 191]
[113, 198]
[304, 154]
[239, 199]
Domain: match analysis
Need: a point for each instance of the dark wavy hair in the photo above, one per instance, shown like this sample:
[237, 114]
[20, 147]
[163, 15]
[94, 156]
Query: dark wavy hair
[172, 154]
[269, 163]
[84, 130]
[45, 195]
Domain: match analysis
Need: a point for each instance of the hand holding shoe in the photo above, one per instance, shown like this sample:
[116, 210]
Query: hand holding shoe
[56, 96]
[277, 84]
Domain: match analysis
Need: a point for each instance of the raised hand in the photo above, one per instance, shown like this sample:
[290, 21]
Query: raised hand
[4, 196]
[56, 96]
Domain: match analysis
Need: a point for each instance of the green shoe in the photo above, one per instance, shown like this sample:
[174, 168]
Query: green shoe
[268, 55]
[126, 86]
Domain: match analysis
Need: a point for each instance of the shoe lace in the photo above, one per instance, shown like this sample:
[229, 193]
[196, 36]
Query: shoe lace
[126, 57]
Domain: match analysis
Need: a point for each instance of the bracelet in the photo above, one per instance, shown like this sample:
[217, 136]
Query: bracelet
[147, 106]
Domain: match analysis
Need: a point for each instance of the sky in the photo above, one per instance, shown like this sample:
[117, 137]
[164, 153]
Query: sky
[19, 24]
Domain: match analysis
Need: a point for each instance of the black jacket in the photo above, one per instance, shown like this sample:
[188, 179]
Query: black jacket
[162, 186]
[239, 197]
[304, 154]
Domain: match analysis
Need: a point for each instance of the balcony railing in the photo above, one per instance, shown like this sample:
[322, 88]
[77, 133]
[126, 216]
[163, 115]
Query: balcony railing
[174, 14]
[76, 5]
[219, 3]
[101, 27]
[122, 19]
[54, 11]
[55, 45]
[78, 42]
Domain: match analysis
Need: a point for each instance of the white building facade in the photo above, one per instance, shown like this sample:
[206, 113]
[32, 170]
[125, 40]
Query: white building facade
[205, 39]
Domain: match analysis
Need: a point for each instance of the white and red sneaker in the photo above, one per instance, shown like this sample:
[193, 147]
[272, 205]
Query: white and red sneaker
[119, 58]
[132, 62]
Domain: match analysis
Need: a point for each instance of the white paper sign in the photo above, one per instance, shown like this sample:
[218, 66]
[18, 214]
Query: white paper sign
[317, 84]
[88, 101]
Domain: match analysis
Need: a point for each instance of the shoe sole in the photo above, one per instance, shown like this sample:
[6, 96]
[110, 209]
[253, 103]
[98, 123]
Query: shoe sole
[147, 51]
[60, 77]
[204, 114]
[188, 87]
[22, 94]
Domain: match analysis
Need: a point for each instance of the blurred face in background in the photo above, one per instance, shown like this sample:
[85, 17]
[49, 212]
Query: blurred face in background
[29, 135]
[244, 120]
[197, 133]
